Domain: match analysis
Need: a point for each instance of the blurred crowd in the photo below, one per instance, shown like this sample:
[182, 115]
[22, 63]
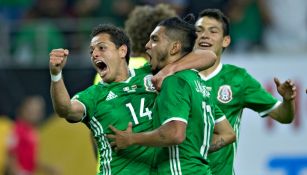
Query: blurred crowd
[28, 142]
[31, 28]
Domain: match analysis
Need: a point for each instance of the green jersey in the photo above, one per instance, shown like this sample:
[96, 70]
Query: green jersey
[184, 97]
[233, 89]
[117, 104]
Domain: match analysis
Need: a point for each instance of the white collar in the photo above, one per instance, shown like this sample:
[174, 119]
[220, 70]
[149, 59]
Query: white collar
[131, 74]
[214, 73]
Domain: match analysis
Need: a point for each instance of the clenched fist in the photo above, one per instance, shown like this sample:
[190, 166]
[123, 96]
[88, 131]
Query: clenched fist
[57, 60]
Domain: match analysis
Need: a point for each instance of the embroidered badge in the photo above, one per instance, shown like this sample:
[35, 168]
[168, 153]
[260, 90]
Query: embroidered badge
[148, 84]
[224, 95]
[130, 89]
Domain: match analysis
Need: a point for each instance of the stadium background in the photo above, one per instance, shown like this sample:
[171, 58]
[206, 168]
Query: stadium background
[274, 46]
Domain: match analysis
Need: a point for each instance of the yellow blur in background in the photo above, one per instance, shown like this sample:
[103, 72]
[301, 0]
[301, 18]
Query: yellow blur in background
[5, 129]
[67, 147]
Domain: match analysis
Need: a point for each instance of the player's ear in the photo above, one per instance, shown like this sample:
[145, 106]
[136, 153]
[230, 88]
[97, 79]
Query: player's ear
[226, 41]
[123, 50]
[175, 47]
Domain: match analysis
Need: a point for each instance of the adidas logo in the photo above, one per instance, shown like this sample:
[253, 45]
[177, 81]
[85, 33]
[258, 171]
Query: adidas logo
[111, 96]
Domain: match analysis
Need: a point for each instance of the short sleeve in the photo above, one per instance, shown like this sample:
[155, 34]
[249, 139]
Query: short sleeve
[173, 102]
[86, 99]
[218, 114]
[256, 97]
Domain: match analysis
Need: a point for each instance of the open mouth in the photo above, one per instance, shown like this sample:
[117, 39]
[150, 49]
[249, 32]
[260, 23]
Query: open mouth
[204, 44]
[148, 55]
[101, 65]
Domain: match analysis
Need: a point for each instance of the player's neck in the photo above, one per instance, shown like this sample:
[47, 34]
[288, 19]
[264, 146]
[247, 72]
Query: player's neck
[208, 71]
[123, 74]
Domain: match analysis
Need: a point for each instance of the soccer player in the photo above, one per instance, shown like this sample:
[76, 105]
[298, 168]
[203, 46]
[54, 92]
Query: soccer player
[183, 113]
[140, 23]
[234, 89]
[122, 96]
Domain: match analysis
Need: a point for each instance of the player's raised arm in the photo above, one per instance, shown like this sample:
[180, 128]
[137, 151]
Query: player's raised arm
[72, 111]
[197, 59]
[285, 112]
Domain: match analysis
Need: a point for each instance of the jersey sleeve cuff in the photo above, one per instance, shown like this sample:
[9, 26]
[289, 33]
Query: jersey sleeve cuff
[265, 113]
[84, 114]
[220, 119]
[175, 118]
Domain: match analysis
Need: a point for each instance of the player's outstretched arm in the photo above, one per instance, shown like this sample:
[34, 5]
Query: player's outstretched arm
[62, 105]
[197, 59]
[223, 135]
[285, 112]
[171, 133]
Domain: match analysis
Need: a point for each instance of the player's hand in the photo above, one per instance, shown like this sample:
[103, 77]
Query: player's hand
[57, 60]
[157, 79]
[121, 139]
[287, 89]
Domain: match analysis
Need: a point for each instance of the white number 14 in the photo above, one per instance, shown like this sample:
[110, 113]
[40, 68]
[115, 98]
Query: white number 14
[143, 112]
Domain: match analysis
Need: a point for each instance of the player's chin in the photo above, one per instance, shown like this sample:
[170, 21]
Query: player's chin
[107, 80]
[154, 69]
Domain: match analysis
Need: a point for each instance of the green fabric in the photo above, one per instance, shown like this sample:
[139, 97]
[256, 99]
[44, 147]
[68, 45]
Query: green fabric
[184, 97]
[233, 89]
[117, 104]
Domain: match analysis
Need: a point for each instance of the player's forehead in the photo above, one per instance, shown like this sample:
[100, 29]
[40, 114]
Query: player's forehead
[102, 38]
[208, 22]
[159, 31]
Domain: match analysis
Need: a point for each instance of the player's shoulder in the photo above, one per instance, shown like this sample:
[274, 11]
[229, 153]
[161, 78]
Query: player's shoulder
[95, 88]
[145, 69]
[233, 69]
[186, 74]
[89, 92]
[183, 76]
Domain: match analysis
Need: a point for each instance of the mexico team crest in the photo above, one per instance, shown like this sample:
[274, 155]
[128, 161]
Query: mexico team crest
[148, 84]
[224, 95]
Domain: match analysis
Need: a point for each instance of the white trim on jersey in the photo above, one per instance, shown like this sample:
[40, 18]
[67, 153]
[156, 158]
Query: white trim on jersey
[265, 113]
[84, 107]
[213, 74]
[204, 147]
[207, 131]
[236, 128]
[220, 119]
[174, 160]
[194, 70]
[175, 118]
[106, 156]
[131, 75]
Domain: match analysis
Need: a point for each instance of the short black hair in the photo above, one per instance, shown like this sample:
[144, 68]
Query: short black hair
[182, 30]
[219, 16]
[117, 36]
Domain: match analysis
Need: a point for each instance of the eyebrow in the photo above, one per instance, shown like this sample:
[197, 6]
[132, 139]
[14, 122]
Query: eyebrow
[153, 36]
[211, 27]
[101, 42]
[214, 27]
